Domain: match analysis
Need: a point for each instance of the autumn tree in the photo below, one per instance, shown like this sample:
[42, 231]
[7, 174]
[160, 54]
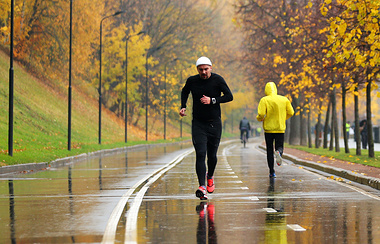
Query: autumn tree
[169, 29]
[284, 44]
[354, 38]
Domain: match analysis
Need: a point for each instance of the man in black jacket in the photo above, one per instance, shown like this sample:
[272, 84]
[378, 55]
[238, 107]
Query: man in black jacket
[244, 126]
[208, 91]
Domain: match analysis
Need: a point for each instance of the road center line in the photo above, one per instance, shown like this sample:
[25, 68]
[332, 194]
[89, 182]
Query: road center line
[131, 226]
[110, 231]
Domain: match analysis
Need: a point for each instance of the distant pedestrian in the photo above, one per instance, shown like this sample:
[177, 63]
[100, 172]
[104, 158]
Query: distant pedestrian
[318, 134]
[258, 131]
[363, 133]
[274, 110]
[208, 90]
[348, 126]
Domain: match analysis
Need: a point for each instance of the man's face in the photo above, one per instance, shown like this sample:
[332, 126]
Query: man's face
[204, 71]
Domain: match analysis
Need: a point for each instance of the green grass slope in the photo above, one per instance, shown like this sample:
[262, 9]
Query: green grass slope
[41, 119]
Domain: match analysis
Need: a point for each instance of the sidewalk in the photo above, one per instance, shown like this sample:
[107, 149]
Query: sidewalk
[363, 174]
[352, 144]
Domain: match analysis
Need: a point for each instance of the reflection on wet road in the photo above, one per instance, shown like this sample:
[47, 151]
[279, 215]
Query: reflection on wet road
[73, 203]
[248, 207]
[76, 203]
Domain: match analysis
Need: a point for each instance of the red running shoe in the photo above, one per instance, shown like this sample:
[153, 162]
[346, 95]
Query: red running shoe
[201, 193]
[210, 185]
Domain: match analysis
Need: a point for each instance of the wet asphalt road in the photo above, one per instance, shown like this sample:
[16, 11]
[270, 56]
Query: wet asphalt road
[84, 202]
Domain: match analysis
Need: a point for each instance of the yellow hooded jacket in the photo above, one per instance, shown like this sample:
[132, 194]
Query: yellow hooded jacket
[274, 110]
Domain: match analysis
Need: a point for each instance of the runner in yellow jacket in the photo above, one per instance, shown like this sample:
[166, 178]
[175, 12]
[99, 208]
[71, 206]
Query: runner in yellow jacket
[274, 110]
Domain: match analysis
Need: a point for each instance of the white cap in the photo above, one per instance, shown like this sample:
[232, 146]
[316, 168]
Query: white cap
[203, 60]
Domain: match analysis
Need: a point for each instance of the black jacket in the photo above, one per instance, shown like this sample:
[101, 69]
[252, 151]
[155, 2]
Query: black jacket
[244, 124]
[213, 87]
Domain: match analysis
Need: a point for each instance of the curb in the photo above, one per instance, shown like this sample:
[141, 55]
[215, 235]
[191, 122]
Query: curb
[349, 175]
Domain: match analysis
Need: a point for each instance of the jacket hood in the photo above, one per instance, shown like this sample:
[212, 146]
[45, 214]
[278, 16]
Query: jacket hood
[270, 89]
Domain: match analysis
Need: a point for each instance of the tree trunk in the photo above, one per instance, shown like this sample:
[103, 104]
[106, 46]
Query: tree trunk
[318, 127]
[309, 129]
[371, 146]
[344, 116]
[294, 136]
[287, 134]
[137, 119]
[357, 121]
[335, 121]
[326, 128]
[331, 147]
[303, 128]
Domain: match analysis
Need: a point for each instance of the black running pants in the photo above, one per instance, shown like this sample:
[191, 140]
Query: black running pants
[278, 139]
[206, 138]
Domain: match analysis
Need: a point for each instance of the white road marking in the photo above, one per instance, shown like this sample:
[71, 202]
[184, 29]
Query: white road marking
[270, 210]
[340, 183]
[227, 165]
[296, 228]
[254, 198]
[110, 232]
[234, 182]
[131, 226]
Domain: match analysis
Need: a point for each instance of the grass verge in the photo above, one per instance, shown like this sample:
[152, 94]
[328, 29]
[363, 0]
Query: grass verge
[349, 157]
[40, 120]
[52, 153]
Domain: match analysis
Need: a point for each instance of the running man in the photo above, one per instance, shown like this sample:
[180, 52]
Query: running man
[274, 110]
[208, 90]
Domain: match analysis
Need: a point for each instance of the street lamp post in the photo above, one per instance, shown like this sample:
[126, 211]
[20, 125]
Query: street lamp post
[146, 97]
[126, 84]
[100, 74]
[70, 89]
[181, 119]
[165, 104]
[11, 86]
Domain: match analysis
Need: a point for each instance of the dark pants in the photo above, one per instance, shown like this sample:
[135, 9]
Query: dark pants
[206, 139]
[364, 138]
[242, 131]
[278, 139]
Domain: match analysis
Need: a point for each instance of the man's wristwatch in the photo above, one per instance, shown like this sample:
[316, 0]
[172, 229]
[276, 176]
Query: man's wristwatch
[213, 100]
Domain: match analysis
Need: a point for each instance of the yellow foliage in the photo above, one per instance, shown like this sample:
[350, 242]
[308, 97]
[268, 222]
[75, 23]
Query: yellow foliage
[337, 85]
[279, 60]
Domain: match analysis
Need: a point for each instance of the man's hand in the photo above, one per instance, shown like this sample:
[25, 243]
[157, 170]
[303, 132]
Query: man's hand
[182, 112]
[205, 100]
